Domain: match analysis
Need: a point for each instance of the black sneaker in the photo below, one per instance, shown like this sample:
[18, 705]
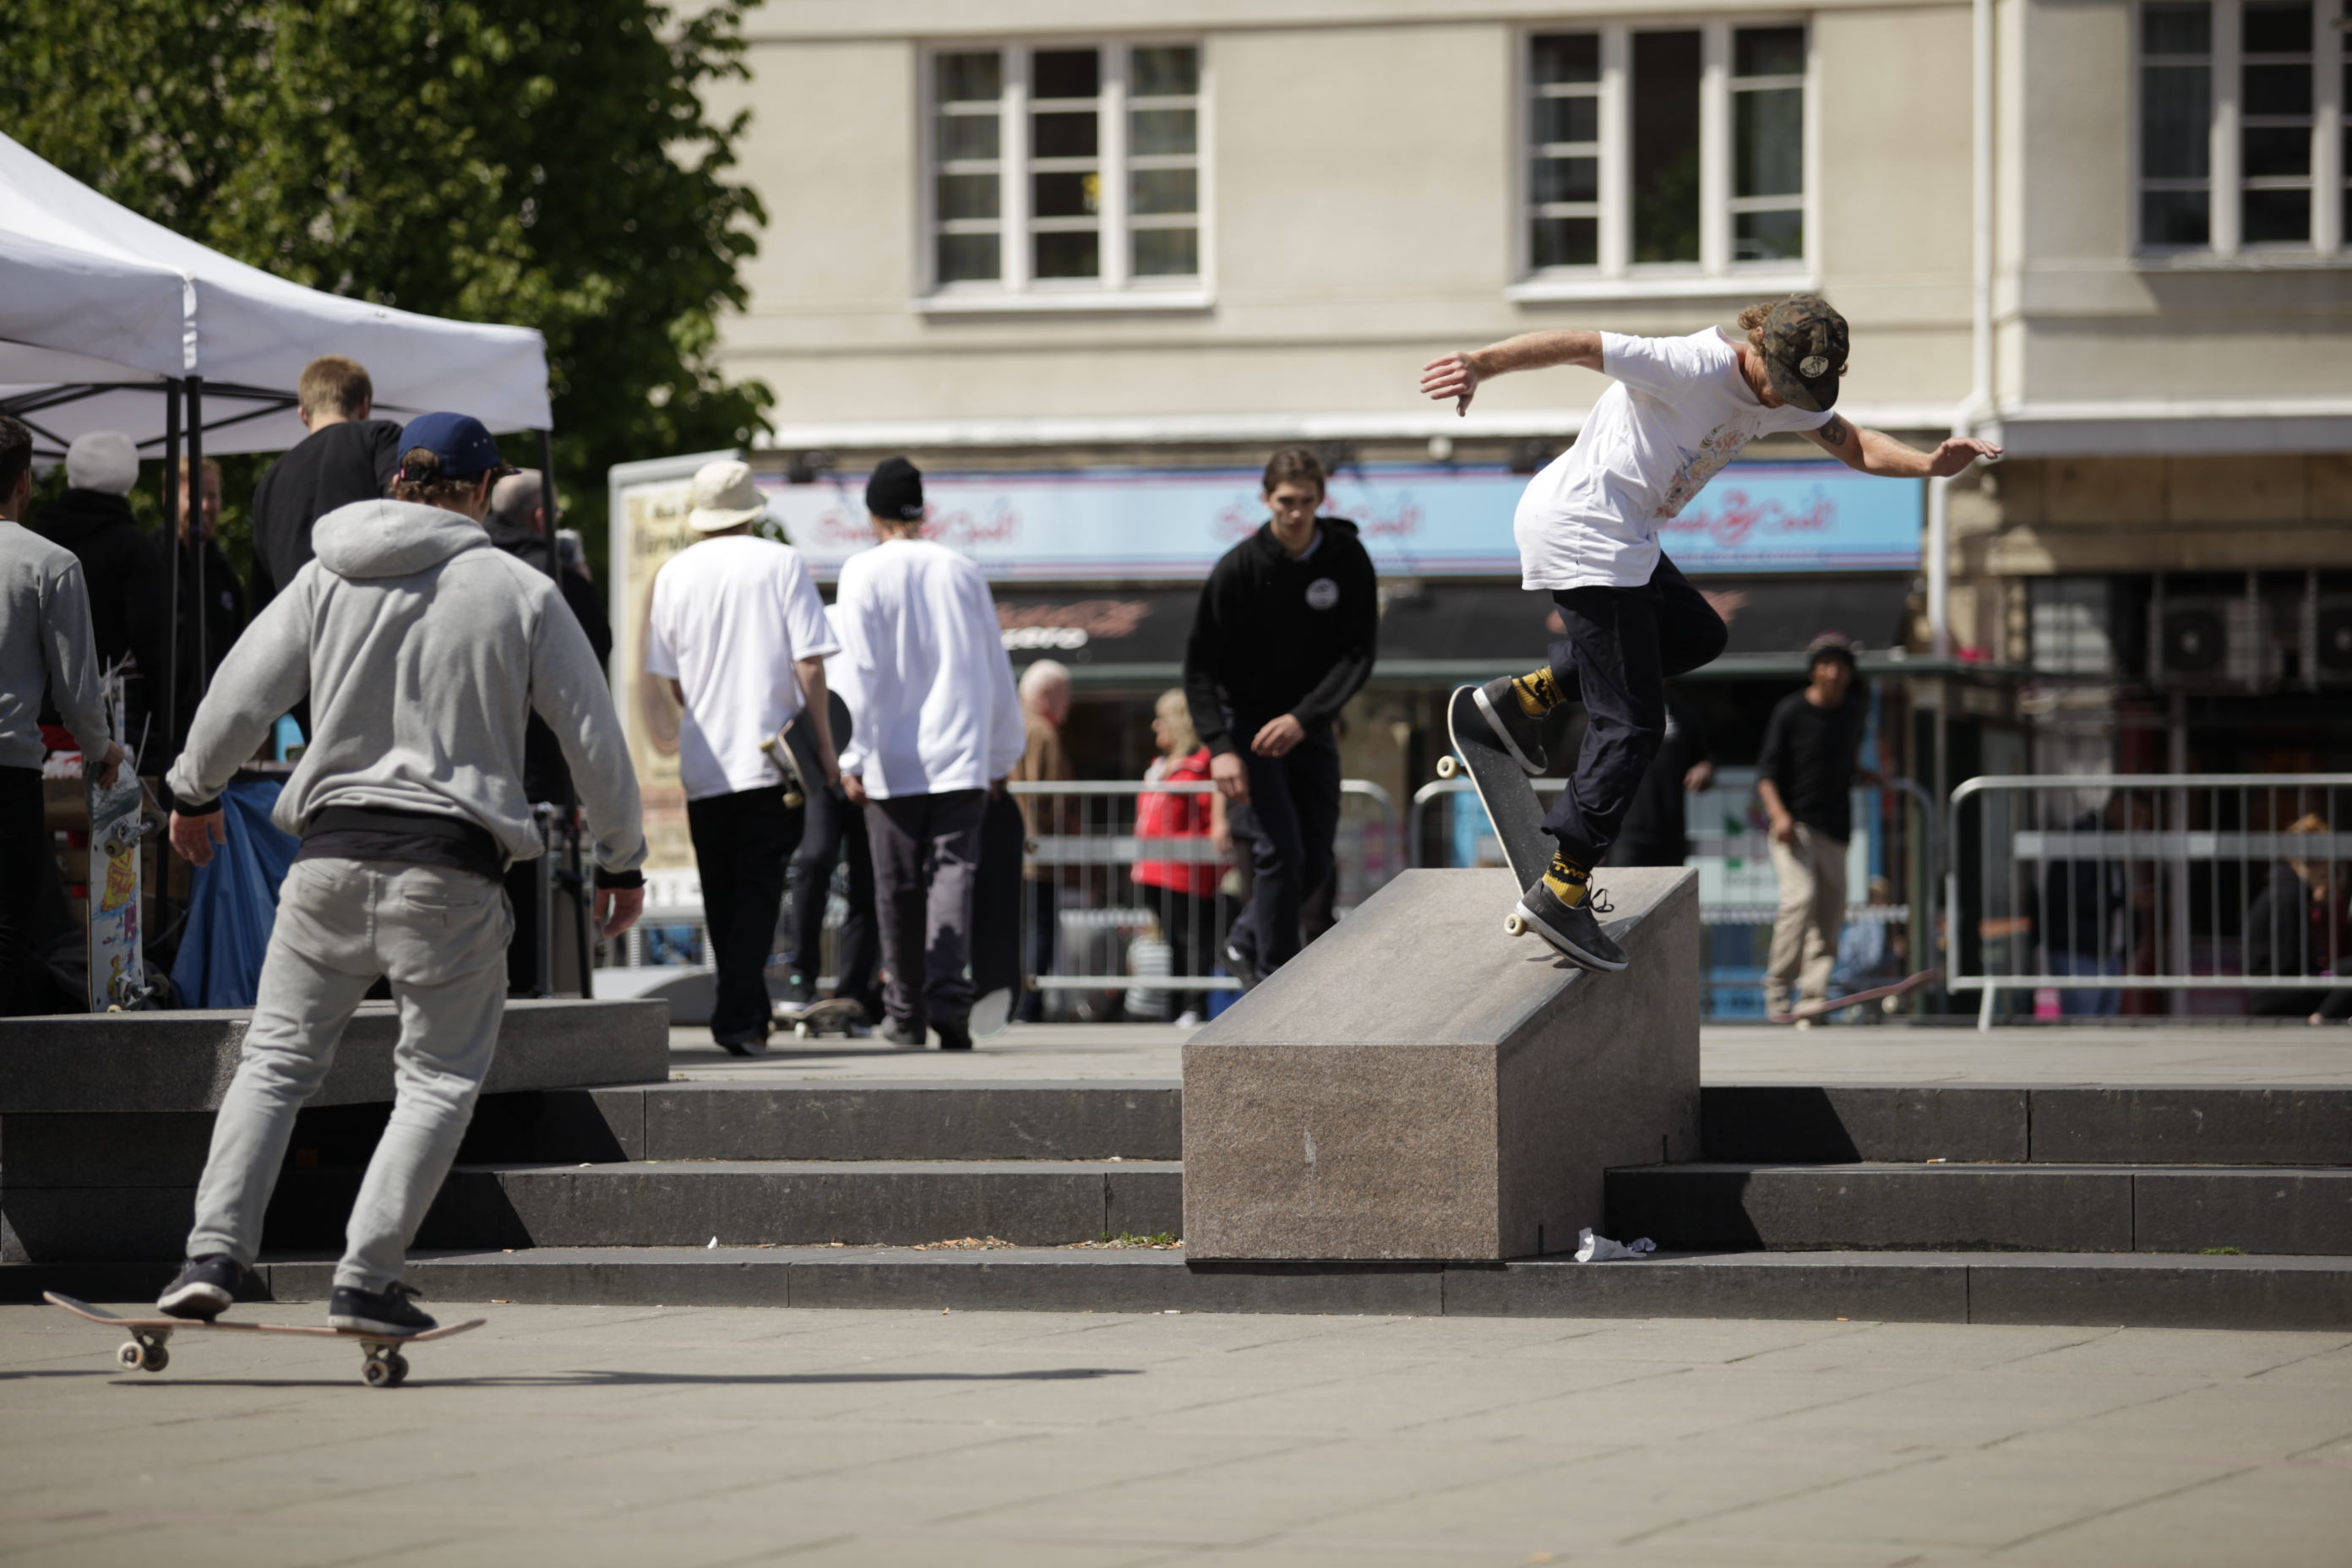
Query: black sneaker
[1572, 928]
[386, 1312]
[905, 1034]
[1244, 967]
[1517, 732]
[955, 1034]
[799, 992]
[205, 1287]
[742, 1042]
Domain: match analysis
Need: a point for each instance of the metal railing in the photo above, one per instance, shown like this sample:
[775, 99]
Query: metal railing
[1119, 947]
[2229, 887]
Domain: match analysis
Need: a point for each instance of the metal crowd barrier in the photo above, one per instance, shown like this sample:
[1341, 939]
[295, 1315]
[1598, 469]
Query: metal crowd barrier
[1111, 955]
[2228, 886]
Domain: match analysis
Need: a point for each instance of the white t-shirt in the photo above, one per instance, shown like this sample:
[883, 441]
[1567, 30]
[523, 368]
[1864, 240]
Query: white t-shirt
[1679, 411]
[728, 618]
[935, 709]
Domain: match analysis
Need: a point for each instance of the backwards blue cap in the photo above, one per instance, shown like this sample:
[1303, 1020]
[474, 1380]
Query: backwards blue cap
[462, 443]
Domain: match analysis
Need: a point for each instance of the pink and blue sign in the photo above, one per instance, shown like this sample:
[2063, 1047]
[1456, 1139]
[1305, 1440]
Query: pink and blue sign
[1418, 521]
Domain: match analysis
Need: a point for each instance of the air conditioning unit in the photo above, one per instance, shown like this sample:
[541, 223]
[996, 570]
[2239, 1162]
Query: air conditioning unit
[2331, 659]
[2222, 643]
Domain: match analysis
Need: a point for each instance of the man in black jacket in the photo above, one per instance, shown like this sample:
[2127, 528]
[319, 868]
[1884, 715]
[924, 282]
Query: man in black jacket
[1284, 637]
[212, 606]
[122, 570]
[347, 457]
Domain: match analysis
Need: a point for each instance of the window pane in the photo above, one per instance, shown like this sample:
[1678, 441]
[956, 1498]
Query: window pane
[1157, 191]
[1063, 135]
[1171, 72]
[1566, 57]
[1065, 73]
[1167, 252]
[967, 197]
[2278, 26]
[1565, 180]
[2177, 28]
[2278, 150]
[1769, 52]
[967, 258]
[1666, 146]
[966, 136]
[969, 79]
[1565, 242]
[1567, 120]
[1768, 143]
[2275, 216]
[2175, 117]
[2173, 217]
[1160, 132]
[1064, 196]
[2276, 89]
[1069, 255]
[1767, 237]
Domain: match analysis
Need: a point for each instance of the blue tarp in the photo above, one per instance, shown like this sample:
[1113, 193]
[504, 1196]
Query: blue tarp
[233, 902]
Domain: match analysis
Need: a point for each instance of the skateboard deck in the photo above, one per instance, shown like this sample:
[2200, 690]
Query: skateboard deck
[833, 1016]
[996, 915]
[117, 952]
[382, 1366]
[1504, 787]
[793, 747]
[1903, 987]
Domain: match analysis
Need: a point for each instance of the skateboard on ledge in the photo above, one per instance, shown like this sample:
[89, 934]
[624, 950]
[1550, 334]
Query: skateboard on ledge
[147, 1348]
[833, 1015]
[1903, 987]
[1503, 789]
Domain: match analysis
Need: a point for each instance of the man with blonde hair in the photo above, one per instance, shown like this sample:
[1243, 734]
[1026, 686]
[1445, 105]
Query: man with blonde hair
[347, 456]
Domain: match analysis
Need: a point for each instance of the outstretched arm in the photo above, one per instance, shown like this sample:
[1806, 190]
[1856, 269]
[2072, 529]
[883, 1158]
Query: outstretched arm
[1877, 452]
[1458, 376]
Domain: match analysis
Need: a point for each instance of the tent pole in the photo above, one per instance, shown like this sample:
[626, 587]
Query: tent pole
[196, 520]
[170, 674]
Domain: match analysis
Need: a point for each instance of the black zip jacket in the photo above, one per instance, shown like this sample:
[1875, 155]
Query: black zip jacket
[1274, 635]
[123, 570]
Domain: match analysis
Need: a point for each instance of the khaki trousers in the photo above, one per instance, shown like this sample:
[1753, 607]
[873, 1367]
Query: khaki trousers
[1812, 869]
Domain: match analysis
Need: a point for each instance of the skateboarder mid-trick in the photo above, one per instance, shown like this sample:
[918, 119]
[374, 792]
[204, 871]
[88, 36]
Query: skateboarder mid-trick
[422, 648]
[1680, 409]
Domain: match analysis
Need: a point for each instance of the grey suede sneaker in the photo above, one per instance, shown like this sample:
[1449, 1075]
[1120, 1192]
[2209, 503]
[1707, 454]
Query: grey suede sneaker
[1517, 733]
[1573, 928]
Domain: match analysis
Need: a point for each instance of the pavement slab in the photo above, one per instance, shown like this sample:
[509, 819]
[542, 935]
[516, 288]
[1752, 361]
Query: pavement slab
[709, 1436]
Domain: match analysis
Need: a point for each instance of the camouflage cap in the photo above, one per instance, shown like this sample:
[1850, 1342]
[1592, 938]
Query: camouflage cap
[1804, 348]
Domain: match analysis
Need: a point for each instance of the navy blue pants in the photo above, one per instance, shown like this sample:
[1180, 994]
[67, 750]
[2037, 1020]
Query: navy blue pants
[1621, 644]
[1295, 802]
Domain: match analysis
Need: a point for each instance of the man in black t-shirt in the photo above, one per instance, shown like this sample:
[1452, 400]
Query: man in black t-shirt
[347, 457]
[1805, 777]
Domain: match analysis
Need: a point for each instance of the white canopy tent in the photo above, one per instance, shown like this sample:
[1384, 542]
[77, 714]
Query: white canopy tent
[111, 322]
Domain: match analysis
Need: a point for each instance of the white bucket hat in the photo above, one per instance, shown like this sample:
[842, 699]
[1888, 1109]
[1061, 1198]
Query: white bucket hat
[724, 496]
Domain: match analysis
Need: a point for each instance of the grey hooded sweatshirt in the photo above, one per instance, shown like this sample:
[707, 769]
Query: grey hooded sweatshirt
[422, 647]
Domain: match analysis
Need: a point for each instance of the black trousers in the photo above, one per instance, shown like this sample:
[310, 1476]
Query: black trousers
[1622, 644]
[836, 828]
[926, 870]
[26, 858]
[741, 841]
[1295, 805]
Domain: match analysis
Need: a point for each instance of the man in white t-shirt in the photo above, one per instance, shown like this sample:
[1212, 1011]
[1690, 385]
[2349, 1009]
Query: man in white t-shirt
[939, 729]
[738, 628]
[1680, 409]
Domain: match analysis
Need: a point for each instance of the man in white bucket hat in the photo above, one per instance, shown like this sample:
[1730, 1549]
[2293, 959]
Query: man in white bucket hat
[738, 631]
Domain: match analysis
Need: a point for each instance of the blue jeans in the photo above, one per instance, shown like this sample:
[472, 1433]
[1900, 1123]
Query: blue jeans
[2086, 1004]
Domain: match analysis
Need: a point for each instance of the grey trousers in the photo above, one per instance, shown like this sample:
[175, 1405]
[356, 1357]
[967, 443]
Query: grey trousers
[925, 868]
[440, 937]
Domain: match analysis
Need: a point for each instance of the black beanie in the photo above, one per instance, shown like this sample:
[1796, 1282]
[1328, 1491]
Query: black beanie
[896, 490]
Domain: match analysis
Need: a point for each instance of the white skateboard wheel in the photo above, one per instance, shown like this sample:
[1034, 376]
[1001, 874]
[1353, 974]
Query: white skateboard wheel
[1514, 926]
[1447, 767]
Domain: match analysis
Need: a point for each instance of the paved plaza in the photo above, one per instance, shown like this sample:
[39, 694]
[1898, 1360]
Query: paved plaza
[588, 1436]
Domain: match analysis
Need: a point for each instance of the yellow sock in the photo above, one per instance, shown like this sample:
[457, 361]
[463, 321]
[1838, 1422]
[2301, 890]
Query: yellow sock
[1539, 693]
[1568, 880]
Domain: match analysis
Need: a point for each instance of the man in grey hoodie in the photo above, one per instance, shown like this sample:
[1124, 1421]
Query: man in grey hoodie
[422, 648]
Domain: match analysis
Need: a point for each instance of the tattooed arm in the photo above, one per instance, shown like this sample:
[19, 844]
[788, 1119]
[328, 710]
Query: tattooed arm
[1875, 452]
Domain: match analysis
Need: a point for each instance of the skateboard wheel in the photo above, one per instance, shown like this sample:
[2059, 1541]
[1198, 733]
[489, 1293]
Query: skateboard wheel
[803, 1032]
[376, 1373]
[399, 1366]
[1447, 767]
[130, 1355]
[1514, 926]
[158, 1358]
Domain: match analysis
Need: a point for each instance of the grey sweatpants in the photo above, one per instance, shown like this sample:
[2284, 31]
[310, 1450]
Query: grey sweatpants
[926, 868]
[440, 937]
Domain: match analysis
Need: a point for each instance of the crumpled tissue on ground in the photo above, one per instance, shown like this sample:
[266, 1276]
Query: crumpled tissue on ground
[1591, 1248]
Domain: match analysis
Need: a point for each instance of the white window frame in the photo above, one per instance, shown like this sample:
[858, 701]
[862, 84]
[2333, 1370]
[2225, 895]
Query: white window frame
[1615, 275]
[1015, 290]
[2225, 183]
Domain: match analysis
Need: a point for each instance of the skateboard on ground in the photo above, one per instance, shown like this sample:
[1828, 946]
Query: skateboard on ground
[833, 1015]
[1503, 789]
[146, 1350]
[118, 959]
[1903, 987]
[996, 924]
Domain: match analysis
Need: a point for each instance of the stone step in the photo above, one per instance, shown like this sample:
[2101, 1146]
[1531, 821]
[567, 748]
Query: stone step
[2132, 1289]
[2201, 1124]
[1990, 1207]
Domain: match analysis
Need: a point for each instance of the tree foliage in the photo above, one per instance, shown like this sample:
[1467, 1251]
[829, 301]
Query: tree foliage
[550, 166]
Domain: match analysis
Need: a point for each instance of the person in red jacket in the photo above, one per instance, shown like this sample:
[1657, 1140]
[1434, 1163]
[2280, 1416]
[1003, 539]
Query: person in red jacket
[1183, 893]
